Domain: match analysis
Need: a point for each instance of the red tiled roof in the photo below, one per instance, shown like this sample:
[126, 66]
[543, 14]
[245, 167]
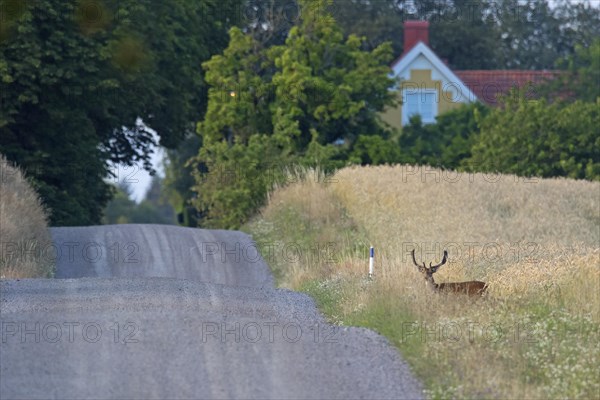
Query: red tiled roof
[488, 85]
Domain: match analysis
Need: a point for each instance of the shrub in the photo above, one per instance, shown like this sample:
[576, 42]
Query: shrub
[445, 143]
[533, 138]
[23, 228]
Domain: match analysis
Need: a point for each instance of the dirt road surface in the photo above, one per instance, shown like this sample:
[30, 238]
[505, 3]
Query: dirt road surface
[163, 312]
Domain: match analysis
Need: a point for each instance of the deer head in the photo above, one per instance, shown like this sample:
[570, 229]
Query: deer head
[428, 272]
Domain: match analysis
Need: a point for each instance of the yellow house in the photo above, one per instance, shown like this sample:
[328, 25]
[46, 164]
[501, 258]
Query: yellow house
[426, 86]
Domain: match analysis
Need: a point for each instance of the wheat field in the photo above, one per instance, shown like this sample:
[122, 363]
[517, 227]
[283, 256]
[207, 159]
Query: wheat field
[536, 242]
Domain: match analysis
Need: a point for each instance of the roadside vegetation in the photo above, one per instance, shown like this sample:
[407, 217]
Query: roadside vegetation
[153, 209]
[236, 88]
[535, 241]
[26, 249]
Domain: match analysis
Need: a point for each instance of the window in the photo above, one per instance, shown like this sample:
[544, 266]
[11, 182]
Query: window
[422, 102]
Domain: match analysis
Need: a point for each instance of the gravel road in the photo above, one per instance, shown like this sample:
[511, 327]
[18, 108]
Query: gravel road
[156, 312]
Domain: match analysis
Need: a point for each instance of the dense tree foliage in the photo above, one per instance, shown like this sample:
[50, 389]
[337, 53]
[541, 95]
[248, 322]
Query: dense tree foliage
[556, 135]
[83, 81]
[485, 34]
[445, 143]
[533, 138]
[273, 106]
[179, 179]
[579, 78]
[374, 150]
[153, 209]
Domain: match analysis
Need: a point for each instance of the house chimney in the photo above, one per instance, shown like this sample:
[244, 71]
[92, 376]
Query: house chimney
[415, 32]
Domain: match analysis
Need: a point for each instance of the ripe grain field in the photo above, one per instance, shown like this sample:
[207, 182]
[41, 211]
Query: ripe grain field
[534, 241]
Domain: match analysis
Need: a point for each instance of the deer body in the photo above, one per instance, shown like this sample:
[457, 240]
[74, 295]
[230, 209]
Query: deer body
[470, 288]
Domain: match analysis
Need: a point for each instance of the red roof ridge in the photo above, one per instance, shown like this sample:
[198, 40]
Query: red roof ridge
[489, 84]
[507, 71]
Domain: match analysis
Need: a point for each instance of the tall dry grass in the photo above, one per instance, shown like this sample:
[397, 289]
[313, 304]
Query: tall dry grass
[24, 237]
[526, 237]
[304, 228]
[535, 242]
[402, 204]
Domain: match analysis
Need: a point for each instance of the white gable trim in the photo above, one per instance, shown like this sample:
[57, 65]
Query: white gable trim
[421, 48]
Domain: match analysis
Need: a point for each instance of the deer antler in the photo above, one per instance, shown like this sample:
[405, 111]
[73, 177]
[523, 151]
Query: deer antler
[435, 267]
[415, 261]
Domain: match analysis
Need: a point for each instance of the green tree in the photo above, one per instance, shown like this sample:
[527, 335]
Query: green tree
[486, 34]
[461, 31]
[120, 207]
[375, 21]
[84, 81]
[270, 107]
[584, 72]
[179, 180]
[526, 28]
[533, 138]
[269, 21]
[579, 78]
[374, 150]
[160, 211]
[153, 209]
[443, 144]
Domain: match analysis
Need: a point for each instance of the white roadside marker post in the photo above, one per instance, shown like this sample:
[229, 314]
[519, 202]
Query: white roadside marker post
[371, 260]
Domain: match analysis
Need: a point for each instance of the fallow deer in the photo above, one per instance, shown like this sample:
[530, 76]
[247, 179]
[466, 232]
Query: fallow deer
[471, 288]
